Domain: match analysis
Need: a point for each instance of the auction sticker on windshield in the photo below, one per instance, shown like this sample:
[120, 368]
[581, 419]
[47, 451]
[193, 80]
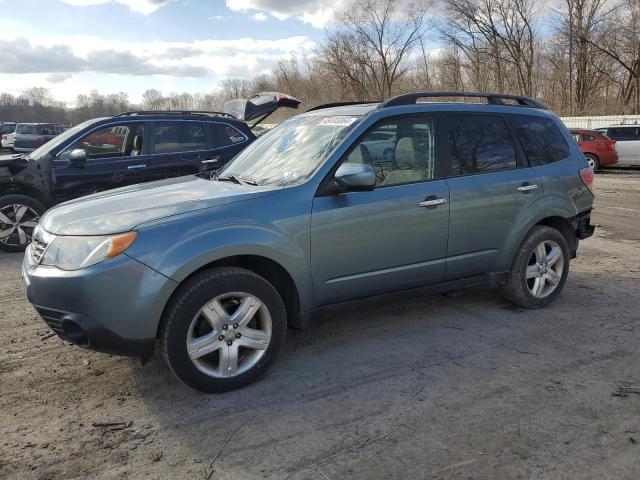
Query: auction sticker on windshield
[338, 121]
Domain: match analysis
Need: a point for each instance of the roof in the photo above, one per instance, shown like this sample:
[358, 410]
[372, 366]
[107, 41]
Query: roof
[346, 110]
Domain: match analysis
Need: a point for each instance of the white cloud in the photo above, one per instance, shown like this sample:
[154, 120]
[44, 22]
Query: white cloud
[260, 17]
[318, 13]
[69, 64]
[145, 7]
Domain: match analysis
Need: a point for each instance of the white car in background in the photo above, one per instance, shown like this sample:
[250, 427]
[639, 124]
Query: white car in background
[7, 132]
[627, 139]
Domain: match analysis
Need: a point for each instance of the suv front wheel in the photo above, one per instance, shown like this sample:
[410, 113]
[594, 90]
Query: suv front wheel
[223, 329]
[539, 270]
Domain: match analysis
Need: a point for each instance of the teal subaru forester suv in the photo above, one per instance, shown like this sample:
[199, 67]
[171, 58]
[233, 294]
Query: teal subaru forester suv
[342, 202]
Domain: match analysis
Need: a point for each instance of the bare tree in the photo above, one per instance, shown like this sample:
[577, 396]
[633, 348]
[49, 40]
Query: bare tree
[369, 47]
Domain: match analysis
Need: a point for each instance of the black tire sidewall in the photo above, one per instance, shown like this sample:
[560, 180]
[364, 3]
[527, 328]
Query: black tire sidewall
[517, 288]
[191, 298]
[22, 200]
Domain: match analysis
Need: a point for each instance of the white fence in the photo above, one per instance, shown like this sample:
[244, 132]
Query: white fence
[597, 122]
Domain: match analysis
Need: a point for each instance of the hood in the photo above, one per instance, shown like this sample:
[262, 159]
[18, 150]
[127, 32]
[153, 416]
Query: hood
[122, 209]
[8, 159]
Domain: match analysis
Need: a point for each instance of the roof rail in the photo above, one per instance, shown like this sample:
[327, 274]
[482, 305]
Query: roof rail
[173, 112]
[492, 99]
[340, 104]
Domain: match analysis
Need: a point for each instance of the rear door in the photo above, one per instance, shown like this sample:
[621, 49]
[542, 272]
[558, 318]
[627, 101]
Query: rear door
[112, 161]
[627, 144]
[490, 184]
[225, 142]
[176, 148]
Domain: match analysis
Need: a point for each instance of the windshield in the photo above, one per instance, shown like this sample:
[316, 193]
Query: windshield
[55, 141]
[291, 152]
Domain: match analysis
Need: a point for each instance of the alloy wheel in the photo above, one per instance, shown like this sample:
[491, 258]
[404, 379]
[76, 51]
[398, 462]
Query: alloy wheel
[544, 271]
[229, 335]
[17, 223]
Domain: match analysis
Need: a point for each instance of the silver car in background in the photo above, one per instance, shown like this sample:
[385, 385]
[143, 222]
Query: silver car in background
[627, 139]
[30, 136]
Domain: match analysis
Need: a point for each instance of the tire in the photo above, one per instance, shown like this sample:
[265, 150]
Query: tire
[219, 293]
[24, 213]
[531, 284]
[593, 161]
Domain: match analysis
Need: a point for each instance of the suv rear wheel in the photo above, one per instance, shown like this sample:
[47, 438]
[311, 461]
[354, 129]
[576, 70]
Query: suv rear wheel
[19, 215]
[223, 329]
[540, 268]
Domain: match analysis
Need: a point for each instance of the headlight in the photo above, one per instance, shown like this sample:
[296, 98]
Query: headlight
[73, 253]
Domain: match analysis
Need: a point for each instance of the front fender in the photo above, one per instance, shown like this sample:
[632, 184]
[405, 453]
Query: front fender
[184, 245]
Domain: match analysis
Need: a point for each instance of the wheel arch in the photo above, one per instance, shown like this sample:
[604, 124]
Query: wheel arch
[269, 269]
[565, 227]
[27, 191]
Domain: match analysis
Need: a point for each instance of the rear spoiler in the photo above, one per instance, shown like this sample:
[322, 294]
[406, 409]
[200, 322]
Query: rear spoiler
[259, 106]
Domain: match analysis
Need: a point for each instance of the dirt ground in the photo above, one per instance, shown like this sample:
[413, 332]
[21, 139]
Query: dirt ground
[406, 386]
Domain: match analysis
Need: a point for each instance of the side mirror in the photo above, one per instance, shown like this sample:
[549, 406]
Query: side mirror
[78, 157]
[355, 177]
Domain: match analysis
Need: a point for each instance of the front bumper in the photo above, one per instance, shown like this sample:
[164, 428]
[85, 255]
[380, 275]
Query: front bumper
[112, 307]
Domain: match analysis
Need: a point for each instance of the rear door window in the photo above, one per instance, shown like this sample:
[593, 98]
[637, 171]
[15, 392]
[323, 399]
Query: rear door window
[541, 139]
[480, 143]
[623, 133]
[178, 137]
[46, 130]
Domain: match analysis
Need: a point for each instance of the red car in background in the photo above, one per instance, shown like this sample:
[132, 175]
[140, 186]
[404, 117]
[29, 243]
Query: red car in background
[597, 148]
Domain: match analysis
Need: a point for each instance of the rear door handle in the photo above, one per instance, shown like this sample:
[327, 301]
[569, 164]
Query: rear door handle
[211, 160]
[135, 167]
[432, 202]
[526, 187]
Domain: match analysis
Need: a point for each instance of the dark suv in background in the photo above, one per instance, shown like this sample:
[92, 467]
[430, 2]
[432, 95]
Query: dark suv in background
[125, 149]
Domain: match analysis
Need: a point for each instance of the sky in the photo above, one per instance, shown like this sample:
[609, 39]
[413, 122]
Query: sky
[73, 46]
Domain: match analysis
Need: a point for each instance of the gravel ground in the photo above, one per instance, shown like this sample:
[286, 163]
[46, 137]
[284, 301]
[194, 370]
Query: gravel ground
[404, 386]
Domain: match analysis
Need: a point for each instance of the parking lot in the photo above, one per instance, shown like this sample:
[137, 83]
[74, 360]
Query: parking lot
[412, 385]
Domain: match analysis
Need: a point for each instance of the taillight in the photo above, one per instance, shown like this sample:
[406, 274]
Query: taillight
[611, 144]
[586, 174]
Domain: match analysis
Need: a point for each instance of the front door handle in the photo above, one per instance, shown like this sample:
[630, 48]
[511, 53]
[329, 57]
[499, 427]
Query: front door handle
[135, 167]
[527, 187]
[432, 202]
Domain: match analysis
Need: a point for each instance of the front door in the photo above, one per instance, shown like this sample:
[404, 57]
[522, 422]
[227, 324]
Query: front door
[393, 237]
[115, 154]
[490, 185]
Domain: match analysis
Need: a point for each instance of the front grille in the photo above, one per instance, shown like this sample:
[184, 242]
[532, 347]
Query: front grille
[53, 319]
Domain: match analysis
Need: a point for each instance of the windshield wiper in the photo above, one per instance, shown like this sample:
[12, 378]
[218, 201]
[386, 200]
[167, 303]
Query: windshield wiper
[238, 180]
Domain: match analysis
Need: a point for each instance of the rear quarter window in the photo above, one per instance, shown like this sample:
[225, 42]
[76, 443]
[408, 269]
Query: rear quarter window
[541, 139]
[223, 134]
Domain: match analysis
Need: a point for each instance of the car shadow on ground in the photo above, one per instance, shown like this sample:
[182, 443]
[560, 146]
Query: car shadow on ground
[371, 341]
